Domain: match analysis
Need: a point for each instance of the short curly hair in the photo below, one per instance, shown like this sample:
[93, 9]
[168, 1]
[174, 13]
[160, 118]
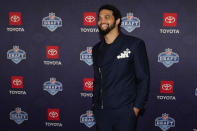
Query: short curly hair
[116, 13]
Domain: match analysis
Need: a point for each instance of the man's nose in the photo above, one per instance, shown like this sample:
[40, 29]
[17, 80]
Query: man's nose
[101, 21]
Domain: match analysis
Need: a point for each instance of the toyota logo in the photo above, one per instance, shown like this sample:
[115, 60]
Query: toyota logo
[170, 19]
[89, 84]
[52, 52]
[17, 82]
[89, 18]
[53, 114]
[15, 18]
[166, 87]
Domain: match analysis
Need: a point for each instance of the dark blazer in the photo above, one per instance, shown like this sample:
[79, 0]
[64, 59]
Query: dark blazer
[121, 75]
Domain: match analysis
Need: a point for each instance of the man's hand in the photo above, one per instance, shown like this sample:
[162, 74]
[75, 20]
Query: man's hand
[136, 111]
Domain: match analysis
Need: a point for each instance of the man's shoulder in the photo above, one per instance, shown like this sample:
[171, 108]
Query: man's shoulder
[131, 42]
[96, 45]
[132, 38]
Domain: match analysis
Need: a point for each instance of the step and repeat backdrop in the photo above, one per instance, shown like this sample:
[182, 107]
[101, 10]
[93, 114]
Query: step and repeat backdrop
[46, 62]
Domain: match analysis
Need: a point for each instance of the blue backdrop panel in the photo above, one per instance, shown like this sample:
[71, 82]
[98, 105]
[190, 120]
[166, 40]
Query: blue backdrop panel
[62, 103]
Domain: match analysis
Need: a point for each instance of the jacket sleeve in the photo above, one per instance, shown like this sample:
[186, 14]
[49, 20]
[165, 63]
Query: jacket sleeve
[96, 78]
[142, 74]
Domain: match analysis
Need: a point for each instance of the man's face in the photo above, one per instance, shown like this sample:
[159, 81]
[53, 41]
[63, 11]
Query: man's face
[106, 21]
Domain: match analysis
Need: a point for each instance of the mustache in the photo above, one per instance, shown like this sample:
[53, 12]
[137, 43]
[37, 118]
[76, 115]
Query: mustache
[104, 24]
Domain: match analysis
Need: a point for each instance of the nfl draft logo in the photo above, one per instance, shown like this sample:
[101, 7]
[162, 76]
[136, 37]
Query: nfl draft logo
[53, 86]
[16, 54]
[86, 56]
[165, 122]
[129, 23]
[18, 116]
[52, 22]
[168, 58]
[88, 119]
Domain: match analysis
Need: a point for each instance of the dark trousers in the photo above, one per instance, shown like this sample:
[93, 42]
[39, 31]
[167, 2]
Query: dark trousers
[122, 119]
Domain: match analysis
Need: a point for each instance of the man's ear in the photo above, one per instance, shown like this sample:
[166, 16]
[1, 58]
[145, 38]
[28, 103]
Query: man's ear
[118, 21]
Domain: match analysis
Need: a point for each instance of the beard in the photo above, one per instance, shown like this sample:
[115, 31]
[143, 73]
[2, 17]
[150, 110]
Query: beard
[104, 32]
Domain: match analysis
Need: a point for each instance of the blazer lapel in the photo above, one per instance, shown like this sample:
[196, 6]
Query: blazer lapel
[111, 53]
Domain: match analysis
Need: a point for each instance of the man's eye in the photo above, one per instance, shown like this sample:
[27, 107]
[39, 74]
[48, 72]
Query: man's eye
[107, 17]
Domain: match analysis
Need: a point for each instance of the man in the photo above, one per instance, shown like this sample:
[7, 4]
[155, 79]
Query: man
[121, 75]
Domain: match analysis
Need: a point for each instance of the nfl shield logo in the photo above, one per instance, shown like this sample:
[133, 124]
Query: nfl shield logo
[16, 54]
[168, 58]
[52, 86]
[18, 116]
[86, 56]
[165, 122]
[52, 22]
[88, 119]
[129, 23]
